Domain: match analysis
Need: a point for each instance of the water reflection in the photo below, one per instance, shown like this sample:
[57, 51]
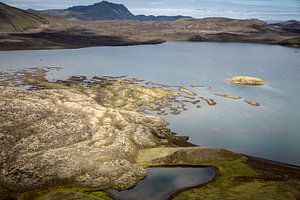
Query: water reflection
[270, 131]
[161, 183]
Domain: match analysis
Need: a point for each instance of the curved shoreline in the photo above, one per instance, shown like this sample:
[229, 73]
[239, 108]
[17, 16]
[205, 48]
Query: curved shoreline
[232, 170]
[251, 159]
[174, 190]
[214, 178]
[36, 43]
[216, 174]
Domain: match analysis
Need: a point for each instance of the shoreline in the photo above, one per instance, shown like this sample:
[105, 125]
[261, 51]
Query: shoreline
[29, 47]
[252, 161]
[259, 170]
[172, 196]
[82, 34]
[59, 40]
[216, 173]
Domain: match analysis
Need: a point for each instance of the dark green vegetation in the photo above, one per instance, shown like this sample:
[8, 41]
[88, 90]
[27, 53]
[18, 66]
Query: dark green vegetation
[237, 181]
[14, 19]
[59, 193]
[238, 177]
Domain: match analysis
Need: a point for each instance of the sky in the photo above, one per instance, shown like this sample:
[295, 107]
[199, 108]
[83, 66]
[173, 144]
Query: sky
[268, 10]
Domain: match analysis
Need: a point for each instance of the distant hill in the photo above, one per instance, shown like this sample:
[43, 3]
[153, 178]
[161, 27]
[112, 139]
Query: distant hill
[160, 18]
[105, 11]
[291, 26]
[14, 19]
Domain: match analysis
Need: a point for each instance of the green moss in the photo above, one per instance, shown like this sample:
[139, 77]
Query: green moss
[101, 195]
[237, 181]
[234, 180]
[66, 193]
[3, 194]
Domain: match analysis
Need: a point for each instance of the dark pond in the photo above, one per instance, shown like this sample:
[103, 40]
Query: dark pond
[161, 183]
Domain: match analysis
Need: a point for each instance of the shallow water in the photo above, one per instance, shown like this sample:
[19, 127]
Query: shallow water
[271, 131]
[161, 183]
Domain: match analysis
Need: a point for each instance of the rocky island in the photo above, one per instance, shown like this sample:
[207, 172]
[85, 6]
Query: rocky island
[246, 80]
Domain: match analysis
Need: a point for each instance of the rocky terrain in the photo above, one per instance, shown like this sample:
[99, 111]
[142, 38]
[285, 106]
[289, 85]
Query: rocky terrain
[74, 138]
[246, 80]
[66, 133]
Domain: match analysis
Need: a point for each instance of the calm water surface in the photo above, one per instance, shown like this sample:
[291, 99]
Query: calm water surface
[161, 183]
[271, 131]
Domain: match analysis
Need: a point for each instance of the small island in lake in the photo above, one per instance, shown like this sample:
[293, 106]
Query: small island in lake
[246, 80]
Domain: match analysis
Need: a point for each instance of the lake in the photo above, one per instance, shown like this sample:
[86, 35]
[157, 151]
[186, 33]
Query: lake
[271, 131]
[161, 183]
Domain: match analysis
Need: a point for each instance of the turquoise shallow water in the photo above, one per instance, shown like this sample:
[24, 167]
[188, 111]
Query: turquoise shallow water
[271, 131]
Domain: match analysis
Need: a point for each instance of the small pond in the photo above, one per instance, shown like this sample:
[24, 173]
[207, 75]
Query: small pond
[161, 183]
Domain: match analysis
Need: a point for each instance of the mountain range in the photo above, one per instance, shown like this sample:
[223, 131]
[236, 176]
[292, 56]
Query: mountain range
[105, 11]
[108, 24]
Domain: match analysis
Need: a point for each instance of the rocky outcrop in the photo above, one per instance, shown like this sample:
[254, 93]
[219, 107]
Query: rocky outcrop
[187, 91]
[246, 80]
[252, 103]
[65, 136]
[209, 101]
[228, 96]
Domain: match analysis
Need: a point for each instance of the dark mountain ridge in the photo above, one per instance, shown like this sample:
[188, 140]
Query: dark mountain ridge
[105, 10]
[290, 26]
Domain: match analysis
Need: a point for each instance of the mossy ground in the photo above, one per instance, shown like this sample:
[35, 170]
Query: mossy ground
[59, 193]
[237, 181]
[234, 180]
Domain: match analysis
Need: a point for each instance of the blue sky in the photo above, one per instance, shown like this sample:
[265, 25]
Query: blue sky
[269, 10]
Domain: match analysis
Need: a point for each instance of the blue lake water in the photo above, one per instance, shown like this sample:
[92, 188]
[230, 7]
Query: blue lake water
[161, 183]
[270, 131]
